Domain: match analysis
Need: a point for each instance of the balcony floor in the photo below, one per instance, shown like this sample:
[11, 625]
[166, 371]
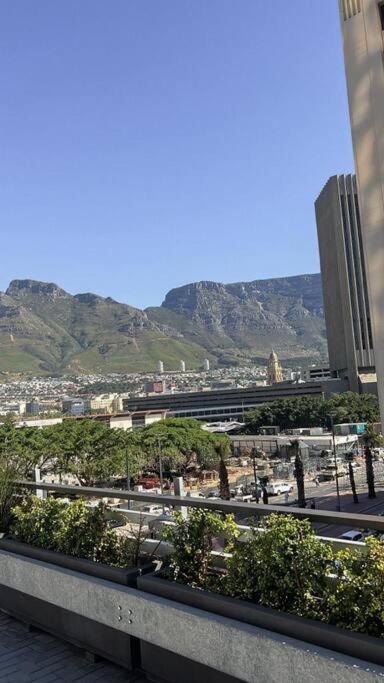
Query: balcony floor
[27, 656]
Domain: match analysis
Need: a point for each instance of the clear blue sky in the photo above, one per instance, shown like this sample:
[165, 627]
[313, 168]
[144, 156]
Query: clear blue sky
[150, 143]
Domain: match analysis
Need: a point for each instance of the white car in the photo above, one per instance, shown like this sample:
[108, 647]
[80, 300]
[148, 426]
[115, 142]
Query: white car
[353, 535]
[152, 509]
[276, 489]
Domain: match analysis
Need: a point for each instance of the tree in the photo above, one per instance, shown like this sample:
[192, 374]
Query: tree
[371, 439]
[352, 477]
[223, 475]
[183, 443]
[299, 474]
[8, 474]
[309, 411]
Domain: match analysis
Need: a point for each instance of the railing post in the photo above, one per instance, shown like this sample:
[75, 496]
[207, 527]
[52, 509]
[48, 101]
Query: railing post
[179, 490]
[40, 493]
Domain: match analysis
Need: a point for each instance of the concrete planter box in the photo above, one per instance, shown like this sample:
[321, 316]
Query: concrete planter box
[126, 577]
[77, 629]
[178, 642]
[307, 630]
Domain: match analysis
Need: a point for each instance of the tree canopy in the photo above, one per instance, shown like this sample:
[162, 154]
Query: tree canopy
[308, 411]
[94, 452]
[180, 441]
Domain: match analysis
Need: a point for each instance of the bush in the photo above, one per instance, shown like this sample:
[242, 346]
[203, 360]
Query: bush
[192, 540]
[73, 529]
[356, 599]
[284, 567]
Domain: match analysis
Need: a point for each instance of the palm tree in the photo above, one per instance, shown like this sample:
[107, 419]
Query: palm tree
[223, 475]
[352, 477]
[299, 474]
[371, 439]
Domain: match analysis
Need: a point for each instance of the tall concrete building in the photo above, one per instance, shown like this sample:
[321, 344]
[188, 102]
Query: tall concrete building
[362, 23]
[343, 272]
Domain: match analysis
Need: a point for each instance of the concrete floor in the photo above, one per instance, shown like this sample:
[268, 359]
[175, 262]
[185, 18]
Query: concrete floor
[27, 656]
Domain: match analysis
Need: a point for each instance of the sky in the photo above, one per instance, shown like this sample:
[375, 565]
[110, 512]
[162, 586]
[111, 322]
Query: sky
[146, 144]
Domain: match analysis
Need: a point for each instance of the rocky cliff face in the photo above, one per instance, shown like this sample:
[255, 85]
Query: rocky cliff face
[248, 318]
[45, 329]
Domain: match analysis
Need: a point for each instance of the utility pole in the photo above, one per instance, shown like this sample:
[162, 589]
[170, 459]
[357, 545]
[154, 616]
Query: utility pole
[160, 466]
[335, 462]
[128, 475]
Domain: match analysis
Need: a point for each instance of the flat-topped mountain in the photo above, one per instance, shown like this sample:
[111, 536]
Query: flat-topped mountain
[246, 319]
[44, 329]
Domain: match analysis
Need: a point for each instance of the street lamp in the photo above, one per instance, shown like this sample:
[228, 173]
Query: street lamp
[330, 419]
[128, 475]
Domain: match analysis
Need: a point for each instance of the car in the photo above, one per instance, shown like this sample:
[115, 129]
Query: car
[353, 535]
[115, 523]
[276, 489]
[152, 509]
[149, 481]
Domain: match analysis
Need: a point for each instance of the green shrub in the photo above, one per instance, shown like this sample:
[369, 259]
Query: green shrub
[285, 567]
[73, 529]
[356, 599]
[192, 540]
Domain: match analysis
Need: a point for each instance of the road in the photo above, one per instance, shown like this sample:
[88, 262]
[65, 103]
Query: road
[324, 497]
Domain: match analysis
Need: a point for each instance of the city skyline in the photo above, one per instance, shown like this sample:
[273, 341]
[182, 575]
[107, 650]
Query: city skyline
[127, 174]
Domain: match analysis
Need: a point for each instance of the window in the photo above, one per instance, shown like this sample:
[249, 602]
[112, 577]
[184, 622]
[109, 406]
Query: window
[381, 12]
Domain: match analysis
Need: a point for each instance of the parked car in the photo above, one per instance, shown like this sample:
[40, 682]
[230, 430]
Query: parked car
[276, 489]
[353, 535]
[115, 523]
[152, 509]
[149, 481]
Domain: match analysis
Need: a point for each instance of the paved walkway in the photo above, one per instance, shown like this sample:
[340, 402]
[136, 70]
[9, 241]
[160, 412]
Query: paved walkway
[36, 656]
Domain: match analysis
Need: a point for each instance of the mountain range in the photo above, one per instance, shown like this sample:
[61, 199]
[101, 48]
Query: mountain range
[46, 330]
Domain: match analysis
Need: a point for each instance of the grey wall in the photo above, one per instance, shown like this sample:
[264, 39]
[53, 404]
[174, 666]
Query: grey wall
[246, 652]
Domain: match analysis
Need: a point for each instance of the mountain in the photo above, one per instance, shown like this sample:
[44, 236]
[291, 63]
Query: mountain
[244, 320]
[45, 330]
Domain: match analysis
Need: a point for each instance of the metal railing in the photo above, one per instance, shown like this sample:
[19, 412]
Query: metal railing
[342, 519]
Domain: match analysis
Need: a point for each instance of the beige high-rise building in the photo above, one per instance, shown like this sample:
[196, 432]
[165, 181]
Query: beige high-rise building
[275, 371]
[343, 273]
[362, 23]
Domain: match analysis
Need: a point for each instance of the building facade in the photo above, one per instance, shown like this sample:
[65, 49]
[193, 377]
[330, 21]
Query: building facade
[362, 24]
[228, 404]
[344, 279]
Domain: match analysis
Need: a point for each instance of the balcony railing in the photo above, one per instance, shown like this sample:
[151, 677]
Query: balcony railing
[343, 519]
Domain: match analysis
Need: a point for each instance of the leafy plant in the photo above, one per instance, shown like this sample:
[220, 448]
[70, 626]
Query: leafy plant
[284, 566]
[193, 541]
[74, 529]
[355, 600]
[8, 474]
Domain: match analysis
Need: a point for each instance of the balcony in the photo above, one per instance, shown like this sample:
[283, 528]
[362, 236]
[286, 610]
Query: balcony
[184, 634]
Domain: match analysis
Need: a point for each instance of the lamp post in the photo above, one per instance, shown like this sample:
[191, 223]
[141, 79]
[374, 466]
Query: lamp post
[335, 462]
[128, 475]
[160, 465]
